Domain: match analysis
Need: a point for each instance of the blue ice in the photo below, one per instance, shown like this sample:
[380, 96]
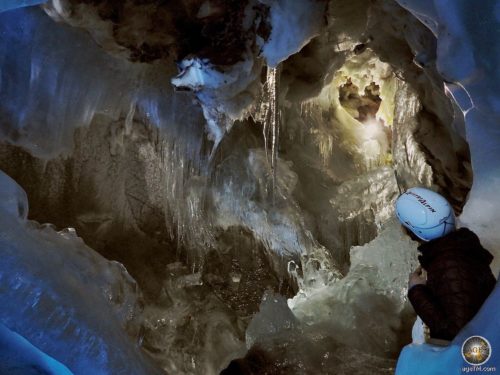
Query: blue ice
[19, 357]
[13, 4]
[434, 360]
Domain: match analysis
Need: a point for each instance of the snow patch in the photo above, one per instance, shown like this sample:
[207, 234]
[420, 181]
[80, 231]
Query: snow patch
[225, 94]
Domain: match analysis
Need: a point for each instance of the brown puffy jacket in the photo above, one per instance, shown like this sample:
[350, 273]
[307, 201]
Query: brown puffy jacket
[459, 280]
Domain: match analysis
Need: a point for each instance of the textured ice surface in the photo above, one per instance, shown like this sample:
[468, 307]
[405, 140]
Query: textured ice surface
[225, 96]
[64, 298]
[53, 78]
[59, 79]
[292, 347]
[293, 24]
[424, 10]
[190, 330]
[364, 307]
[14, 199]
[427, 359]
[245, 198]
[226, 93]
[467, 58]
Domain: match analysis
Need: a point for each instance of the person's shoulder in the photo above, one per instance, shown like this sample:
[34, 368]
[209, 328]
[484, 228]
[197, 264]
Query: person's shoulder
[462, 238]
[464, 231]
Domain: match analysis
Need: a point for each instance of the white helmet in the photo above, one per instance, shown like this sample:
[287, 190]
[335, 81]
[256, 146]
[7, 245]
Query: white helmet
[426, 213]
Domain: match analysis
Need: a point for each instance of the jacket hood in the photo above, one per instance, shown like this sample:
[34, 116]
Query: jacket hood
[462, 242]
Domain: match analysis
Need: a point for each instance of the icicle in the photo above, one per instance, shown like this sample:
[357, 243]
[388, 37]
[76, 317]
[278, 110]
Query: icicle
[272, 118]
[130, 117]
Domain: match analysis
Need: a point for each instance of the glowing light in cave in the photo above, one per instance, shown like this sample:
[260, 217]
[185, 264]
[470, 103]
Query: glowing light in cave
[372, 129]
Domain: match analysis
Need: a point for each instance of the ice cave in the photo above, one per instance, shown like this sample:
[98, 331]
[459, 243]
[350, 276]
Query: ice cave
[208, 186]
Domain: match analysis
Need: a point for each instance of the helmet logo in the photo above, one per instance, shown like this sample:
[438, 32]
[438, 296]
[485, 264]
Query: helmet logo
[423, 201]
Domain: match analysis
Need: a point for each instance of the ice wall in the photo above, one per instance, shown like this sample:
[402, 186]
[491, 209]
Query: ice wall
[59, 79]
[47, 81]
[87, 316]
[363, 309]
[293, 25]
[467, 58]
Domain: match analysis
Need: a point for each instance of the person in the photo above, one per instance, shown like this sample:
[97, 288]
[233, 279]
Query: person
[459, 278]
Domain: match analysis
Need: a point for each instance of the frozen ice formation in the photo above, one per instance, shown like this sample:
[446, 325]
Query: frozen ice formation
[14, 199]
[225, 96]
[467, 61]
[268, 185]
[237, 203]
[370, 298]
[293, 25]
[59, 76]
[47, 93]
[86, 315]
[226, 93]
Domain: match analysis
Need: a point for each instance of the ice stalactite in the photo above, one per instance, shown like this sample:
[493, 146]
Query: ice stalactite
[225, 95]
[271, 117]
[275, 115]
[205, 239]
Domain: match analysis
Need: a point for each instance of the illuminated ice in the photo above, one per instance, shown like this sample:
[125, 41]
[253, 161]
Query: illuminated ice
[63, 297]
[468, 60]
[368, 301]
[59, 80]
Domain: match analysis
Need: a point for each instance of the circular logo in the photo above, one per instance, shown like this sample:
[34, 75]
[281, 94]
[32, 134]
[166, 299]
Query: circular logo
[476, 350]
